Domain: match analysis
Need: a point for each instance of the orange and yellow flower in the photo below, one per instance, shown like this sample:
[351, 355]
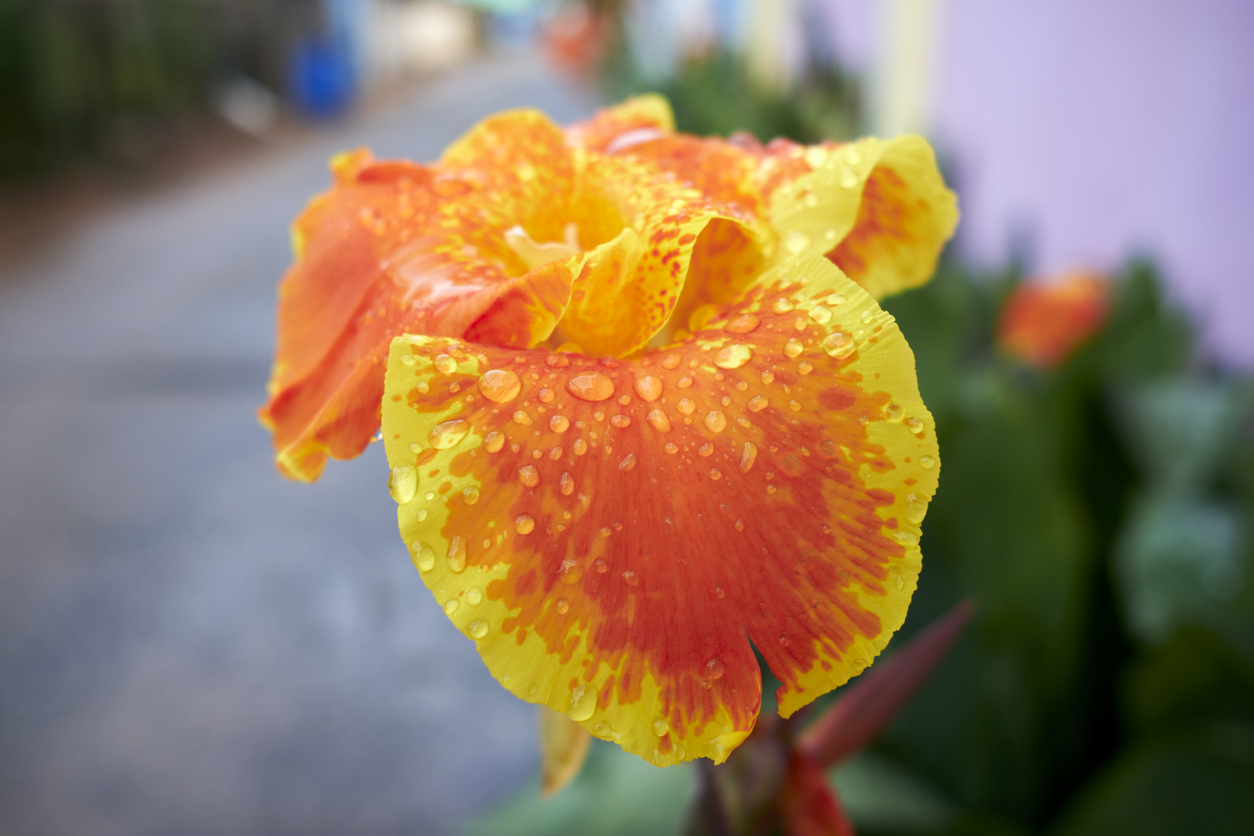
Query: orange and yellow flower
[1045, 321]
[640, 405]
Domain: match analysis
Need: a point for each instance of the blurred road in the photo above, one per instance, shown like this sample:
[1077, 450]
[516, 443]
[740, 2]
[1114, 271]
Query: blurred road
[188, 643]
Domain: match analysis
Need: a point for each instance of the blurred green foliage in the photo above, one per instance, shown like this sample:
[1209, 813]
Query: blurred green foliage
[98, 81]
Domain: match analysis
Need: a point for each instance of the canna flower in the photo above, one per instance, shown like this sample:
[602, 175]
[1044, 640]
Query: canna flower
[1043, 322]
[640, 405]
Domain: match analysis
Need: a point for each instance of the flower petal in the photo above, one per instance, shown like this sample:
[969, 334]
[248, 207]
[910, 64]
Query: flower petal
[564, 747]
[629, 285]
[396, 247]
[635, 119]
[611, 532]
[879, 209]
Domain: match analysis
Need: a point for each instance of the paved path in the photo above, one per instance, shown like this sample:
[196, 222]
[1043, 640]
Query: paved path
[188, 643]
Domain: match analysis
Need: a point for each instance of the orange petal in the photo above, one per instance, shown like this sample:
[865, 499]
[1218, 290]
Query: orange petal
[630, 284]
[397, 247]
[1043, 322]
[633, 120]
[563, 748]
[610, 533]
[879, 209]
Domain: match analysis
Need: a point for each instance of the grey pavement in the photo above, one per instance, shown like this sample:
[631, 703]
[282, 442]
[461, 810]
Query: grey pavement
[190, 644]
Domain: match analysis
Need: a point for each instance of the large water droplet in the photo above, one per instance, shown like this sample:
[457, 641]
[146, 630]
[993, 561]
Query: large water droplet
[583, 702]
[494, 441]
[449, 434]
[445, 364]
[622, 422]
[456, 554]
[838, 345]
[471, 495]
[743, 324]
[563, 606]
[451, 605]
[500, 385]
[927, 462]
[713, 669]
[403, 483]
[748, 456]
[916, 508]
[424, 556]
[758, 403]
[661, 727]
[684, 382]
[686, 405]
[649, 387]
[782, 305]
[733, 356]
[671, 361]
[566, 484]
[524, 524]
[793, 347]
[521, 418]
[474, 596]
[408, 359]
[528, 475]
[805, 367]
[579, 447]
[559, 423]
[628, 462]
[716, 421]
[592, 386]
[820, 314]
[659, 420]
[906, 538]
[477, 628]
[796, 241]
[866, 316]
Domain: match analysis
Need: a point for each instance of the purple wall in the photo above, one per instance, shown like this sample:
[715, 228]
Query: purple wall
[1100, 128]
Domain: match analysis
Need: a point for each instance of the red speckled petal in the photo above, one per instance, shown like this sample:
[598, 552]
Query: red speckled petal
[634, 120]
[612, 533]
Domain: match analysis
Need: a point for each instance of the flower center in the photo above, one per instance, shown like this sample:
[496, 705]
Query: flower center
[535, 254]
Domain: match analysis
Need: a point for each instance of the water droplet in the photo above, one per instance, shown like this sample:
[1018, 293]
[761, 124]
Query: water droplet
[796, 241]
[471, 495]
[424, 556]
[794, 405]
[686, 406]
[733, 356]
[592, 386]
[811, 200]
[529, 476]
[430, 495]
[570, 572]
[622, 422]
[546, 395]
[649, 387]
[660, 727]
[743, 324]
[671, 361]
[805, 367]
[449, 434]
[713, 669]
[748, 456]
[799, 323]
[629, 577]
[706, 449]
[716, 474]
[906, 538]
[403, 483]
[782, 305]
[557, 361]
[758, 403]
[445, 364]
[408, 359]
[555, 453]
[792, 348]
[524, 524]
[559, 423]
[520, 417]
[628, 462]
[456, 554]
[500, 385]
[423, 387]
[838, 345]
[915, 425]
[414, 447]
[927, 462]
[451, 605]
[848, 179]
[474, 596]
[738, 525]
[916, 508]
[579, 447]
[716, 421]
[477, 628]
[820, 314]
[900, 581]
[816, 155]
[583, 702]
[866, 316]
[684, 382]
[835, 300]
[852, 156]
[659, 420]
[563, 606]
[671, 448]
[494, 441]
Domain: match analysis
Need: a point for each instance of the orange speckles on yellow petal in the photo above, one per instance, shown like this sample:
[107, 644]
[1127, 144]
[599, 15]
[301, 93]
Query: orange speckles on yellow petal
[614, 572]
